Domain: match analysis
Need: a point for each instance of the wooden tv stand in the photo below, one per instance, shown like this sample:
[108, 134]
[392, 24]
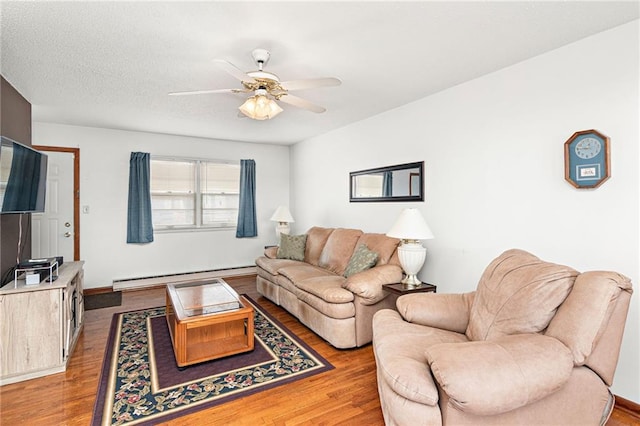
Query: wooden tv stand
[40, 324]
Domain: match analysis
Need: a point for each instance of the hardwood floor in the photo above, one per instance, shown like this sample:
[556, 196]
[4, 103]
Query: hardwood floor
[346, 395]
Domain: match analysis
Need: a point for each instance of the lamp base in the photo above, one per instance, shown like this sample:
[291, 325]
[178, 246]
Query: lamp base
[282, 228]
[410, 281]
[411, 255]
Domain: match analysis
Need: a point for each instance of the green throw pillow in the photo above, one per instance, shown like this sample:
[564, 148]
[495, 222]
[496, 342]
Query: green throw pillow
[292, 247]
[361, 260]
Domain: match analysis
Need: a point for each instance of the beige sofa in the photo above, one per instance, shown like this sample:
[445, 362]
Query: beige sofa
[315, 291]
[536, 344]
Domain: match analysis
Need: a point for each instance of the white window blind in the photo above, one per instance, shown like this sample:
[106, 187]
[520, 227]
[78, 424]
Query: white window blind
[220, 184]
[187, 194]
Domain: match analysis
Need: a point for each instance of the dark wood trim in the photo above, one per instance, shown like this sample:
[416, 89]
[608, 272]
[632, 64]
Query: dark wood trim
[97, 290]
[400, 289]
[76, 192]
[629, 407]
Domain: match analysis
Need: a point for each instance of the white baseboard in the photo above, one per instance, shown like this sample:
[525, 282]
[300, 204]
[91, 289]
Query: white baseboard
[142, 282]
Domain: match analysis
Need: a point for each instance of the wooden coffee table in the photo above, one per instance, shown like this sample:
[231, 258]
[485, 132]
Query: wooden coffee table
[207, 320]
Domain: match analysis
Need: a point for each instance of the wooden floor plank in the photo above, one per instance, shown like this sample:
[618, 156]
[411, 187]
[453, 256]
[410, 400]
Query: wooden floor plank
[346, 395]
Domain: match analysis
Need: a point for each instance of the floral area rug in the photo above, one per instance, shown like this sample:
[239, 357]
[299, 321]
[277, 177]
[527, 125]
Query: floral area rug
[140, 382]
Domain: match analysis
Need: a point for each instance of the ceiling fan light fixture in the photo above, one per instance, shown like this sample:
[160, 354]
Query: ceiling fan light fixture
[260, 107]
[267, 89]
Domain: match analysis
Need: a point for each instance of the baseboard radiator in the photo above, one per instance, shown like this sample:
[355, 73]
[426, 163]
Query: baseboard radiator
[158, 280]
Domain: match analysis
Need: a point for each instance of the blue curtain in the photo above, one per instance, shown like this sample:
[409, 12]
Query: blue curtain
[387, 184]
[247, 224]
[139, 221]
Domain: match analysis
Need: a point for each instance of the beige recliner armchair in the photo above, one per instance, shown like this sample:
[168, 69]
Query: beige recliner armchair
[536, 343]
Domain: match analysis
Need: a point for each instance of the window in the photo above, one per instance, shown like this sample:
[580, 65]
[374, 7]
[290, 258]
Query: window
[188, 194]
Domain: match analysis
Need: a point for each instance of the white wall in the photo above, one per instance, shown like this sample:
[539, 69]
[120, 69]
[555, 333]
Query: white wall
[104, 180]
[493, 152]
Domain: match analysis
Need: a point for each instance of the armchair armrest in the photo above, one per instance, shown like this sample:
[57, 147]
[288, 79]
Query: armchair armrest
[368, 284]
[495, 376]
[439, 310]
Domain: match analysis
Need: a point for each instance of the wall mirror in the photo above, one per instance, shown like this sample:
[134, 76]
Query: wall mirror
[402, 182]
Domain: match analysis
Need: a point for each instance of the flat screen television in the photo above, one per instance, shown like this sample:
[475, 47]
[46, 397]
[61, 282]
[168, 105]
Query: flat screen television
[23, 178]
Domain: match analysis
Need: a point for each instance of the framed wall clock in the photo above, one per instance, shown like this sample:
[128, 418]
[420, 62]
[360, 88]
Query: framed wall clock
[586, 159]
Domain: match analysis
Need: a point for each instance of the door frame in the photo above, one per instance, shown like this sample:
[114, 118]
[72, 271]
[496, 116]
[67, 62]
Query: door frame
[76, 192]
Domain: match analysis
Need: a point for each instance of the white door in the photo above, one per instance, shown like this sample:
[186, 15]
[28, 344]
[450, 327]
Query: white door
[52, 231]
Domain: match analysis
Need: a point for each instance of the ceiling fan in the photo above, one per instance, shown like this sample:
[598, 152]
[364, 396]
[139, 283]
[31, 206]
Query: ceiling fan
[267, 88]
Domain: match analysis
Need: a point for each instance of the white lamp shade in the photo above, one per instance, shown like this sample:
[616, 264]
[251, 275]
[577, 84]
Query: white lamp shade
[282, 214]
[410, 226]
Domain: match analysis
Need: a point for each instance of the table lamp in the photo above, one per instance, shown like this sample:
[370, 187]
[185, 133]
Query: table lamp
[411, 227]
[284, 218]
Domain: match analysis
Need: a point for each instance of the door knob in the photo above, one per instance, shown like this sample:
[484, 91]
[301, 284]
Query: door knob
[67, 234]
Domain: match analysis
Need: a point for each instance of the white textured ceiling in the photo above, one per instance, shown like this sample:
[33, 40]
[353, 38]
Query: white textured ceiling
[111, 64]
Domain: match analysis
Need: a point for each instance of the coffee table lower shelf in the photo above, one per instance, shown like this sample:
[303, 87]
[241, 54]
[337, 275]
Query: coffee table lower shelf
[206, 337]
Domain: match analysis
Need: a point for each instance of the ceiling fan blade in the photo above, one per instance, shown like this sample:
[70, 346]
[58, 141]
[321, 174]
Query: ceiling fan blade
[310, 83]
[301, 103]
[234, 71]
[205, 92]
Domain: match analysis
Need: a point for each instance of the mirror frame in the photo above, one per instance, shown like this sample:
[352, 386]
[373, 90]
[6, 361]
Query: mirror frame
[419, 197]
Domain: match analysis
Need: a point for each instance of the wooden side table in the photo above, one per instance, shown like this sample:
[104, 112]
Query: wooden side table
[400, 289]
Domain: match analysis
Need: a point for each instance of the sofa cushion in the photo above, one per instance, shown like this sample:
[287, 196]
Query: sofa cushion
[316, 239]
[328, 289]
[381, 244]
[292, 247]
[361, 260]
[395, 260]
[302, 271]
[338, 311]
[272, 266]
[338, 249]
[492, 377]
[517, 293]
[286, 284]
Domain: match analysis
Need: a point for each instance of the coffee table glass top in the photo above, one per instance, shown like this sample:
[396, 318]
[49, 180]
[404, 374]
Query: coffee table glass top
[202, 298]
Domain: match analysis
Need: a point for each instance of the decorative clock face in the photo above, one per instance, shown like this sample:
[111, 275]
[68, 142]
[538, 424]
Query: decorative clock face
[588, 148]
[586, 159]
